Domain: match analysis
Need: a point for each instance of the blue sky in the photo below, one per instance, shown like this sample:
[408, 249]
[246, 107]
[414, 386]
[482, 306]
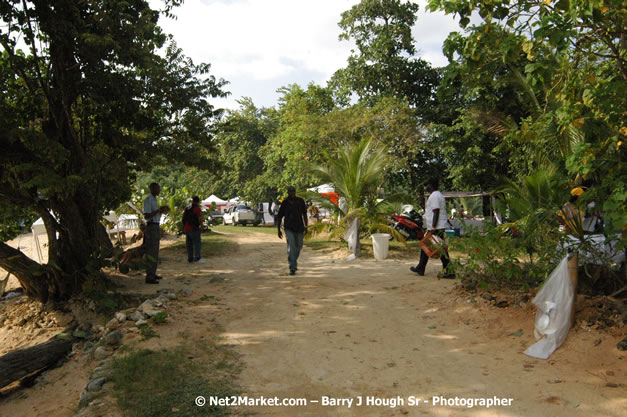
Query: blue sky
[262, 45]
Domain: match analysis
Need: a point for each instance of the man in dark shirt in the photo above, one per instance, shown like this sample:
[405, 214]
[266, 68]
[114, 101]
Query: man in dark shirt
[294, 211]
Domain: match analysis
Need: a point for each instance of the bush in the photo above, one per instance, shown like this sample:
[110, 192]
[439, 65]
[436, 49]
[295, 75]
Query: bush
[493, 257]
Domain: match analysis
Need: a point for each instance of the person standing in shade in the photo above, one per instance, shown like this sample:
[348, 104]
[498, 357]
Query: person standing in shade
[436, 222]
[192, 226]
[294, 210]
[152, 234]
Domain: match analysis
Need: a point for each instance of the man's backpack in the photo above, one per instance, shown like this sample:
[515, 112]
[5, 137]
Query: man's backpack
[191, 218]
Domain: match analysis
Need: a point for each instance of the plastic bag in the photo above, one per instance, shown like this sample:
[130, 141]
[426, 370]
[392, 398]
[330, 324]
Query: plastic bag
[555, 304]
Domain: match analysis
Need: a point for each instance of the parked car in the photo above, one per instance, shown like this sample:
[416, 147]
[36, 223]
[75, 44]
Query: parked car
[213, 217]
[241, 214]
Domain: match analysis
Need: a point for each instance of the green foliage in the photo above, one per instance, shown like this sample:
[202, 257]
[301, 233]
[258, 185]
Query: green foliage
[495, 259]
[301, 138]
[241, 136]
[532, 207]
[160, 317]
[547, 79]
[100, 291]
[15, 220]
[384, 64]
[357, 172]
[91, 93]
[147, 332]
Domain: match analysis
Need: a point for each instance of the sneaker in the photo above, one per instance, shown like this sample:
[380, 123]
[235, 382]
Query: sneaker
[152, 281]
[416, 270]
[200, 261]
[158, 277]
[292, 272]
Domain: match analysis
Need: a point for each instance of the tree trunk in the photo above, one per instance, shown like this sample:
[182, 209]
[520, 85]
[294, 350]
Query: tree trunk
[31, 275]
[20, 363]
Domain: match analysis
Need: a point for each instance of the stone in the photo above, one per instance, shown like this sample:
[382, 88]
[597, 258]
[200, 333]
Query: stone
[114, 338]
[95, 385]
[141, 322]
[121, 317]
[101, 372]
[101, 353]
[106, 363]
[148, 308]
[88, 346]
[171, 296]
[113, 324]
[86, 398]
[622, 345]
[163, 299]
[187, 292]
[488, 296]
[137, 315]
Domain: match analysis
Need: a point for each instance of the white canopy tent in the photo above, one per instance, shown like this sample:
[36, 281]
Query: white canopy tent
[323, 188]
[220, 203]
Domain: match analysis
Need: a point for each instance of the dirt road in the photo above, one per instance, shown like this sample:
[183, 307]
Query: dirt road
[342, 331]
[348, 329]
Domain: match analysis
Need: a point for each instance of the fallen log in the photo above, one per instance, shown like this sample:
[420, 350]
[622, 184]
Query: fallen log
[23, 362]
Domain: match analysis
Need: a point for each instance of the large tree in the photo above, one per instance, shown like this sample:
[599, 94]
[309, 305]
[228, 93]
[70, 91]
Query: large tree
[385, 62]
[89, 96]
[566, 58]
[241, 135]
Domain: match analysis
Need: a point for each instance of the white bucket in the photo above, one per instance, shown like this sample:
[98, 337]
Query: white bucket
[381, 244]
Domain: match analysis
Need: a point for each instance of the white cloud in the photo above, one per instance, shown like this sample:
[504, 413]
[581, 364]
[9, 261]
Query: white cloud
[276, 42]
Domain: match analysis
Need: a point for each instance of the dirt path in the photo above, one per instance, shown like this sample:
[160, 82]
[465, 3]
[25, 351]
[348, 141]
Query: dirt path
[345, 329]
[349, 329]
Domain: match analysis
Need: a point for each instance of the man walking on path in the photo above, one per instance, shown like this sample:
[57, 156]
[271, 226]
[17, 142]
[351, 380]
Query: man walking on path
[436, 222]
[192, 226]
[294, 210]
[152, 234]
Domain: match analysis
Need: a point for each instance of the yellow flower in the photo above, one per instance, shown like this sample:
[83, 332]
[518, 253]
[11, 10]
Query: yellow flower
[576, 191]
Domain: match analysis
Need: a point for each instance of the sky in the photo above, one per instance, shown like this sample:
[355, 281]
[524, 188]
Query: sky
[262, 45]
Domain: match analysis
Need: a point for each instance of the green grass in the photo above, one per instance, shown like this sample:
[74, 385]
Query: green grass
[244, 230]
[147, 332]
[322, 243]
[213, 244]
[165, 383]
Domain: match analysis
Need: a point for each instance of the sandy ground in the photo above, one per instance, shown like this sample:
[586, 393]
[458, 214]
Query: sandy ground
[371, 329]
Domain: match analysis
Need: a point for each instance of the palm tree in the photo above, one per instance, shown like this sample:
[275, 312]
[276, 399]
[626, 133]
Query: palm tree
[357, 172]
[533, 205]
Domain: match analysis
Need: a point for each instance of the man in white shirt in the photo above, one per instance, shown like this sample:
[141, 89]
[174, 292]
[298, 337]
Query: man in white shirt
[436, 222]
[152, 234]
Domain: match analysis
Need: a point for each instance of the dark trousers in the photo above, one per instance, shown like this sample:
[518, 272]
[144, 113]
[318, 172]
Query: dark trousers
[443, 254]
[294, 245]
[192, 241]
[152, 235]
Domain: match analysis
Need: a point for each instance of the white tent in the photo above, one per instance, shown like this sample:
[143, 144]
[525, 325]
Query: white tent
[213, 199]
[324, 188]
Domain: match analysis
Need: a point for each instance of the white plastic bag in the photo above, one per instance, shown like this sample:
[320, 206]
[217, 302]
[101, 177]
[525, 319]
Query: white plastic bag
[555, 304]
